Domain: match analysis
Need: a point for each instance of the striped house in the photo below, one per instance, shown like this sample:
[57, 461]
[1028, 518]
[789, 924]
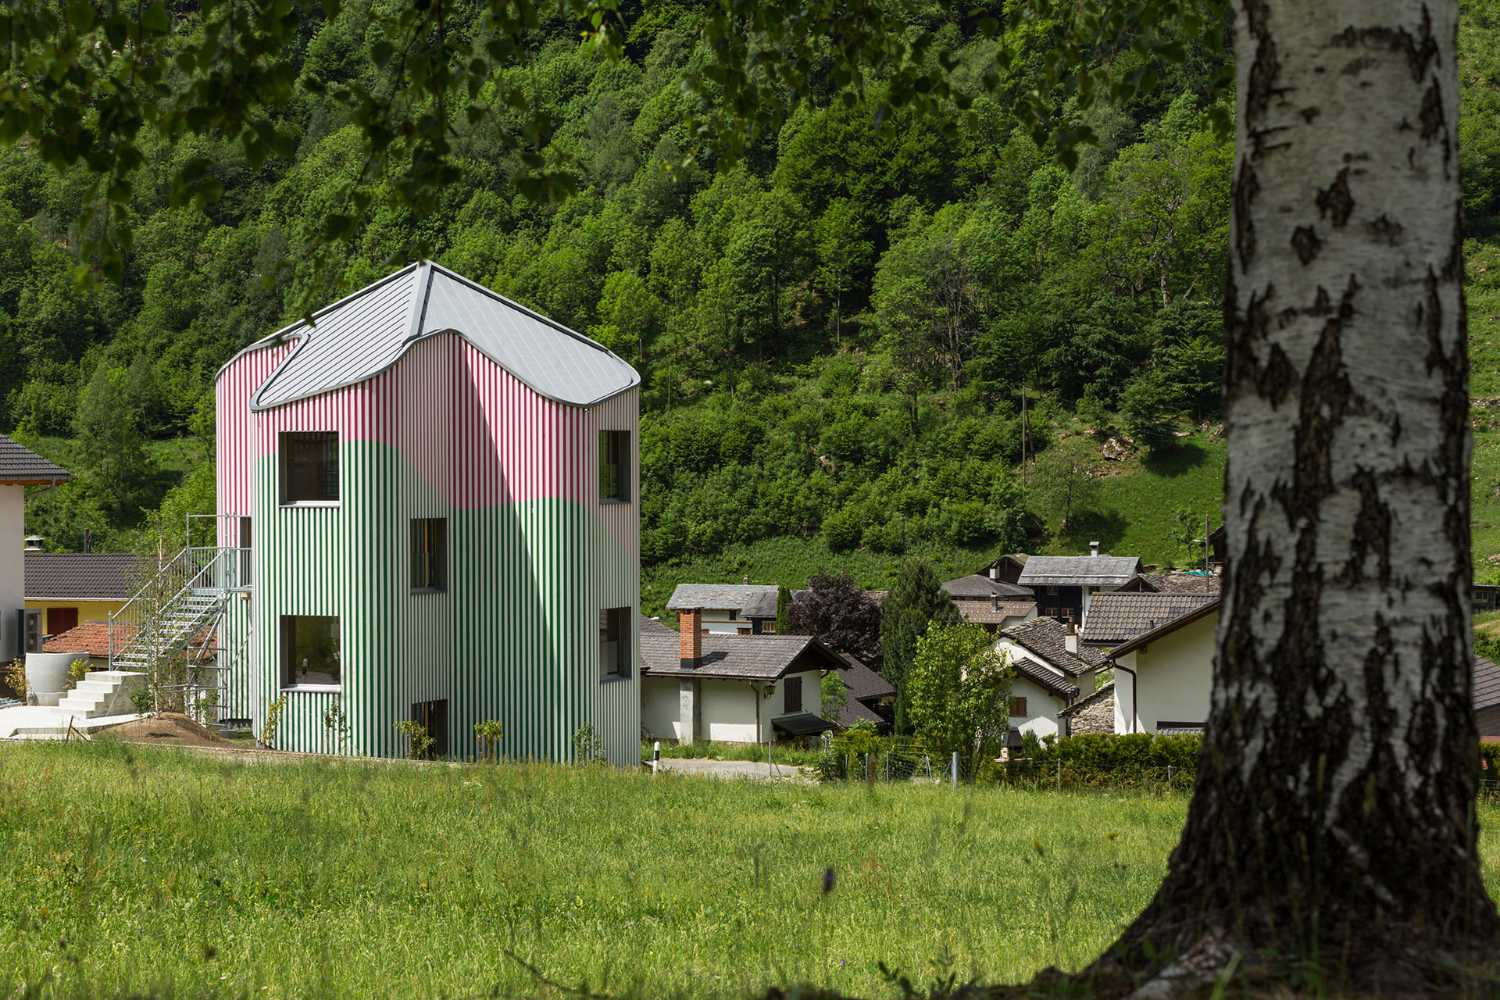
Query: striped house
[437, 489]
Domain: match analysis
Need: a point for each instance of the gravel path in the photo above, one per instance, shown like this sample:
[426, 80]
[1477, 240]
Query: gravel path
[736, 769]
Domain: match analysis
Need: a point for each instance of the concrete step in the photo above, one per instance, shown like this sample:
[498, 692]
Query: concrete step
[103, 692]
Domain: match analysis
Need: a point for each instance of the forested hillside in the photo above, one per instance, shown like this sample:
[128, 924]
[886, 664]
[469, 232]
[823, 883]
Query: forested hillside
[836, 333]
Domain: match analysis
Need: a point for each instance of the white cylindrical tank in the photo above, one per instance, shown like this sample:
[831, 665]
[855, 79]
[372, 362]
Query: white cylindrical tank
[47, 676]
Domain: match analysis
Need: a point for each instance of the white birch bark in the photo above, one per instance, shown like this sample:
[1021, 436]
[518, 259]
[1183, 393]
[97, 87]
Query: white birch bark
[1334, 811]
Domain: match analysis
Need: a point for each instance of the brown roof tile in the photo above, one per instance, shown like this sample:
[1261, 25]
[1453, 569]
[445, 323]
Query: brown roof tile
[1117, 616]
[734, 657]
[22, 465]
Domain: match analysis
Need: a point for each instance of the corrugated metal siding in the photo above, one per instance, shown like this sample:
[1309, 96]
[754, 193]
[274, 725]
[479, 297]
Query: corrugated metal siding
[533, 557]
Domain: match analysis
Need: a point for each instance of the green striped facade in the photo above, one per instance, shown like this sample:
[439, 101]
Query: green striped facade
[534, 558]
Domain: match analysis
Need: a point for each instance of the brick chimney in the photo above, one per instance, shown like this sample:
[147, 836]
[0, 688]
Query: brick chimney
[690, 638]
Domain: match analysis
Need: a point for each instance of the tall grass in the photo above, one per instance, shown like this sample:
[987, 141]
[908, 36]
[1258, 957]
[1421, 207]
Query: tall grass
[138, 871]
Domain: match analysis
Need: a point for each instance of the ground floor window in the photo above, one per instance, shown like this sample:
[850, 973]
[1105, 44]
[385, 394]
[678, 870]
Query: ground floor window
[614, 643]
[309, 650]
[793, 688]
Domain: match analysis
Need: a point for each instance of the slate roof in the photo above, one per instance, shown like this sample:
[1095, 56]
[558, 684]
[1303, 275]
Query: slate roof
[1116, 616]
[81, 576]
[734, 657]
[1174, 583]
[362, 335]
[985, 613]
[1486, 683]
[1045, 678]
[1078, 571]
[857, 711]
[751, 600]
[1047, 638]
[979, 585]
[1107, 691]
[863, 682]
[20, 465]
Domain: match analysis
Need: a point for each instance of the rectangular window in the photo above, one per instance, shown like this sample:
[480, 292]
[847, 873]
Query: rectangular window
[614, 643]
[309, 467]
[309, 650]
[793, 688]
[429, 553]
[614, 466]
[242, 563]
[1018, 708]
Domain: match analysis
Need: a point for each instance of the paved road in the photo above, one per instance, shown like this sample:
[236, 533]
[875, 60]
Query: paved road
[735, 769]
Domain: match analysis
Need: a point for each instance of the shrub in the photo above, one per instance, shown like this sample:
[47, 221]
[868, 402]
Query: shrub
[1099, 759]
[487, 735]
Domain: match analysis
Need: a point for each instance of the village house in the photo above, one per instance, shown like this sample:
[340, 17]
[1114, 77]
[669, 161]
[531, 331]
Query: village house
[70, 588]
[1486, 699]
[730, 688]
[729, 608]
[1117, 617]
[19, 468]
[986, 599]
[427, 504]
[869, 696]
[1051, 671]
[1164, 675]
[1065, 585]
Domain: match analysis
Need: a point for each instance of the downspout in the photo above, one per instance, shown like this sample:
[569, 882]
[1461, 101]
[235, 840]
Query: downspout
[1135, 693]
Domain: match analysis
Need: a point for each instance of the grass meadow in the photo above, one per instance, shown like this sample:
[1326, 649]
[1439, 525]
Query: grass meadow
[150, 872]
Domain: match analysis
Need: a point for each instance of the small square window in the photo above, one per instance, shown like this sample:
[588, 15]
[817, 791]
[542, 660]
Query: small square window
[614, 466]
[309, 467]
[614, 643]
[429, 553]
[1018, 708]
[309, 650]
[793, 688]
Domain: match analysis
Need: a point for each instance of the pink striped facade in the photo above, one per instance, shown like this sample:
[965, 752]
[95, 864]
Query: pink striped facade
[534, 556]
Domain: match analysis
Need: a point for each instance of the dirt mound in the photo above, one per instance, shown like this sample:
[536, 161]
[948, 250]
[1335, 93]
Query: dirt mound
[168, 728]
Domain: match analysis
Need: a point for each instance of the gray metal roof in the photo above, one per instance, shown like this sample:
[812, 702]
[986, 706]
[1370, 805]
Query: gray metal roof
[1078, 571]
[752, 600]
[22, 465]
[361, 336]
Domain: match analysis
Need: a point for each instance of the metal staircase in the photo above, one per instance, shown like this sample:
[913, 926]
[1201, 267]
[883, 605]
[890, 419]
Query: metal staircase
[169, 629]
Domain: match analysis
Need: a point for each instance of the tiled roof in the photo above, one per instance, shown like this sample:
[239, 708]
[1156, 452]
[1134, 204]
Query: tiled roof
[1107, 691]
[1116, 616]
[863, 682]
[86, 639]
[986, 613]
[1078, 571]
[1187, 617]
[752, 600]
[1175, 583]
[22, 465]
[1486, 683]
[977, 585]
[1047, 638]
[1048, 680]
[78, 576]
[734, 657]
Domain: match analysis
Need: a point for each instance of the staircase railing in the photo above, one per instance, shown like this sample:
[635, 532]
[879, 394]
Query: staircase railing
[136, 624]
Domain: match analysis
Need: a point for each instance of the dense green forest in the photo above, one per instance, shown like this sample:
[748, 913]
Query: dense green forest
[836, 333]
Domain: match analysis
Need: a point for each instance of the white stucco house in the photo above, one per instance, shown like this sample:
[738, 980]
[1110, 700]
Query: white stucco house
[729, 688]
[1164, 676]
[1051, 672]
[728, 608]
[19, 468]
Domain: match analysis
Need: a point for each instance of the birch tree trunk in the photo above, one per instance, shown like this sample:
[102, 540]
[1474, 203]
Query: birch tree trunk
[1333, 822]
